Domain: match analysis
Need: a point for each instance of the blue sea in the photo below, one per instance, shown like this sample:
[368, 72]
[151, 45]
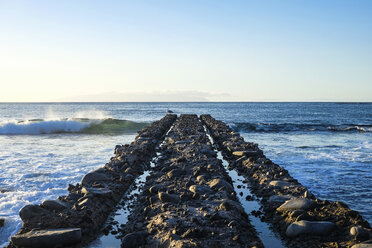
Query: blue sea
[46, 146]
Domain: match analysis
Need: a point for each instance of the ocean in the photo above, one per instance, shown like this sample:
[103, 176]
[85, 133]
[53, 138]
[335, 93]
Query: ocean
[46, 146]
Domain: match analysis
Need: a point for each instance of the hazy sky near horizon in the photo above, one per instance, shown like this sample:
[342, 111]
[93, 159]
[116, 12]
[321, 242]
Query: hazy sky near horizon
[186, 50]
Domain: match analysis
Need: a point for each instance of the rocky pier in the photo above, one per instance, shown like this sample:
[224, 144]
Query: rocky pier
[189, 197]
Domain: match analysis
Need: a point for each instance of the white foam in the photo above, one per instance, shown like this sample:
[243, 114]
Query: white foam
[42, 127]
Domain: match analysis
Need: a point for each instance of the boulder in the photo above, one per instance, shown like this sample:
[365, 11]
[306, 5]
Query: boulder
[218, 184]
[103, 192]
[2, 222]
[164, 197]
[33, 211]
[359, 233]
[47, 238]
[54, 204]
[279, 198]
[319, 228]
[280, 184]
[156, 188]
[134, 240]
[96, 176]
[366, 244]
[175, 173]
[297, 203]
[199, 189]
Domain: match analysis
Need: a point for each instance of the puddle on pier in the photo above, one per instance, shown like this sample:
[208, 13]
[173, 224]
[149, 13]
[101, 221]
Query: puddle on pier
[124, 209]
[250, 203]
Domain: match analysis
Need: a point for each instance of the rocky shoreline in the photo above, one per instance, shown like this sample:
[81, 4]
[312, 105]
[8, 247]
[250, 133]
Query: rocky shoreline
[295, 213]
[188, 198]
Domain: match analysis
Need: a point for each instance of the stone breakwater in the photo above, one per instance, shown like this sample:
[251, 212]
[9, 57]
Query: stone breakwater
[79, 216]
[188, 198]
[298, 216]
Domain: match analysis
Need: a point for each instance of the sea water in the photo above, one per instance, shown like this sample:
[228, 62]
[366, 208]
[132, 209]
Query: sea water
[46, 146]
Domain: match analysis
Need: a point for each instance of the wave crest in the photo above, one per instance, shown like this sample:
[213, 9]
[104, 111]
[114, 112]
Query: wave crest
[75, 125]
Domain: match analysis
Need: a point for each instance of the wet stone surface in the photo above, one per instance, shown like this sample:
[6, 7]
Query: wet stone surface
[285, 201]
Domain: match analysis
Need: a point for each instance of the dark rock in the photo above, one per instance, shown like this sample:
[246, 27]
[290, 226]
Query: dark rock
[359, 233]
[54, 204]
[134, 240]
[33, 211]
[164, 197]
[218, 184]
[98, 175]
[104, 192]
[2, 222]
[47, 238]
[319, 228]
[298, 203]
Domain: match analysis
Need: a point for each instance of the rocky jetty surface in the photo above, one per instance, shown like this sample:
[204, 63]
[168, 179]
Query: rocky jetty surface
[79, 216]
[188, 198]
[295, 213]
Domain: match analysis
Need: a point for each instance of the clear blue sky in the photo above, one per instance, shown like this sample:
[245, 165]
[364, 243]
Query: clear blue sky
[191, 50]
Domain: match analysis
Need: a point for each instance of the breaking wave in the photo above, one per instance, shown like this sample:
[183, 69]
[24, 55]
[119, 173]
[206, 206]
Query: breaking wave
[295, 127]
[74, 125]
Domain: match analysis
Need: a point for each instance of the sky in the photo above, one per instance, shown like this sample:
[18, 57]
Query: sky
[209, 50]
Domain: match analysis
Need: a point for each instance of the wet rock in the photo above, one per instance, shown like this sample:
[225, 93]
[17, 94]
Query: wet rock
[2, 222]
[175, 173]
[134, 240]
[280, 184]
[54, 204]
[98, 175]
[359, 233]
[199, 189]
[217, 184]
[319, 228]
[298, 203]
[246, 153]
[279, 198]
[48, 238]
[104, 192]
[33, 211]
[156, 188]
[164, 197]
[366, 244]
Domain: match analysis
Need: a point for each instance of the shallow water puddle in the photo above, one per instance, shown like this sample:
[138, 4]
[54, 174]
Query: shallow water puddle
[250, 204]
[112, 237]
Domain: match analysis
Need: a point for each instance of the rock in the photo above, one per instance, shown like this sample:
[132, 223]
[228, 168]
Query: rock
[280, 184]
[118, 149]
[156, 188]
[359, 233]
[48, 238]
[297, 203]
[217, 184]
[319, 228]
[2, 222]
[104, 192]
[134, 240]
[279, 198]
[366, 244]
[175, 173]
[199, 189]
[246, 153]
[239, 153]
[54, 204]
[98, 175]
[164, 197]
[33, 211]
